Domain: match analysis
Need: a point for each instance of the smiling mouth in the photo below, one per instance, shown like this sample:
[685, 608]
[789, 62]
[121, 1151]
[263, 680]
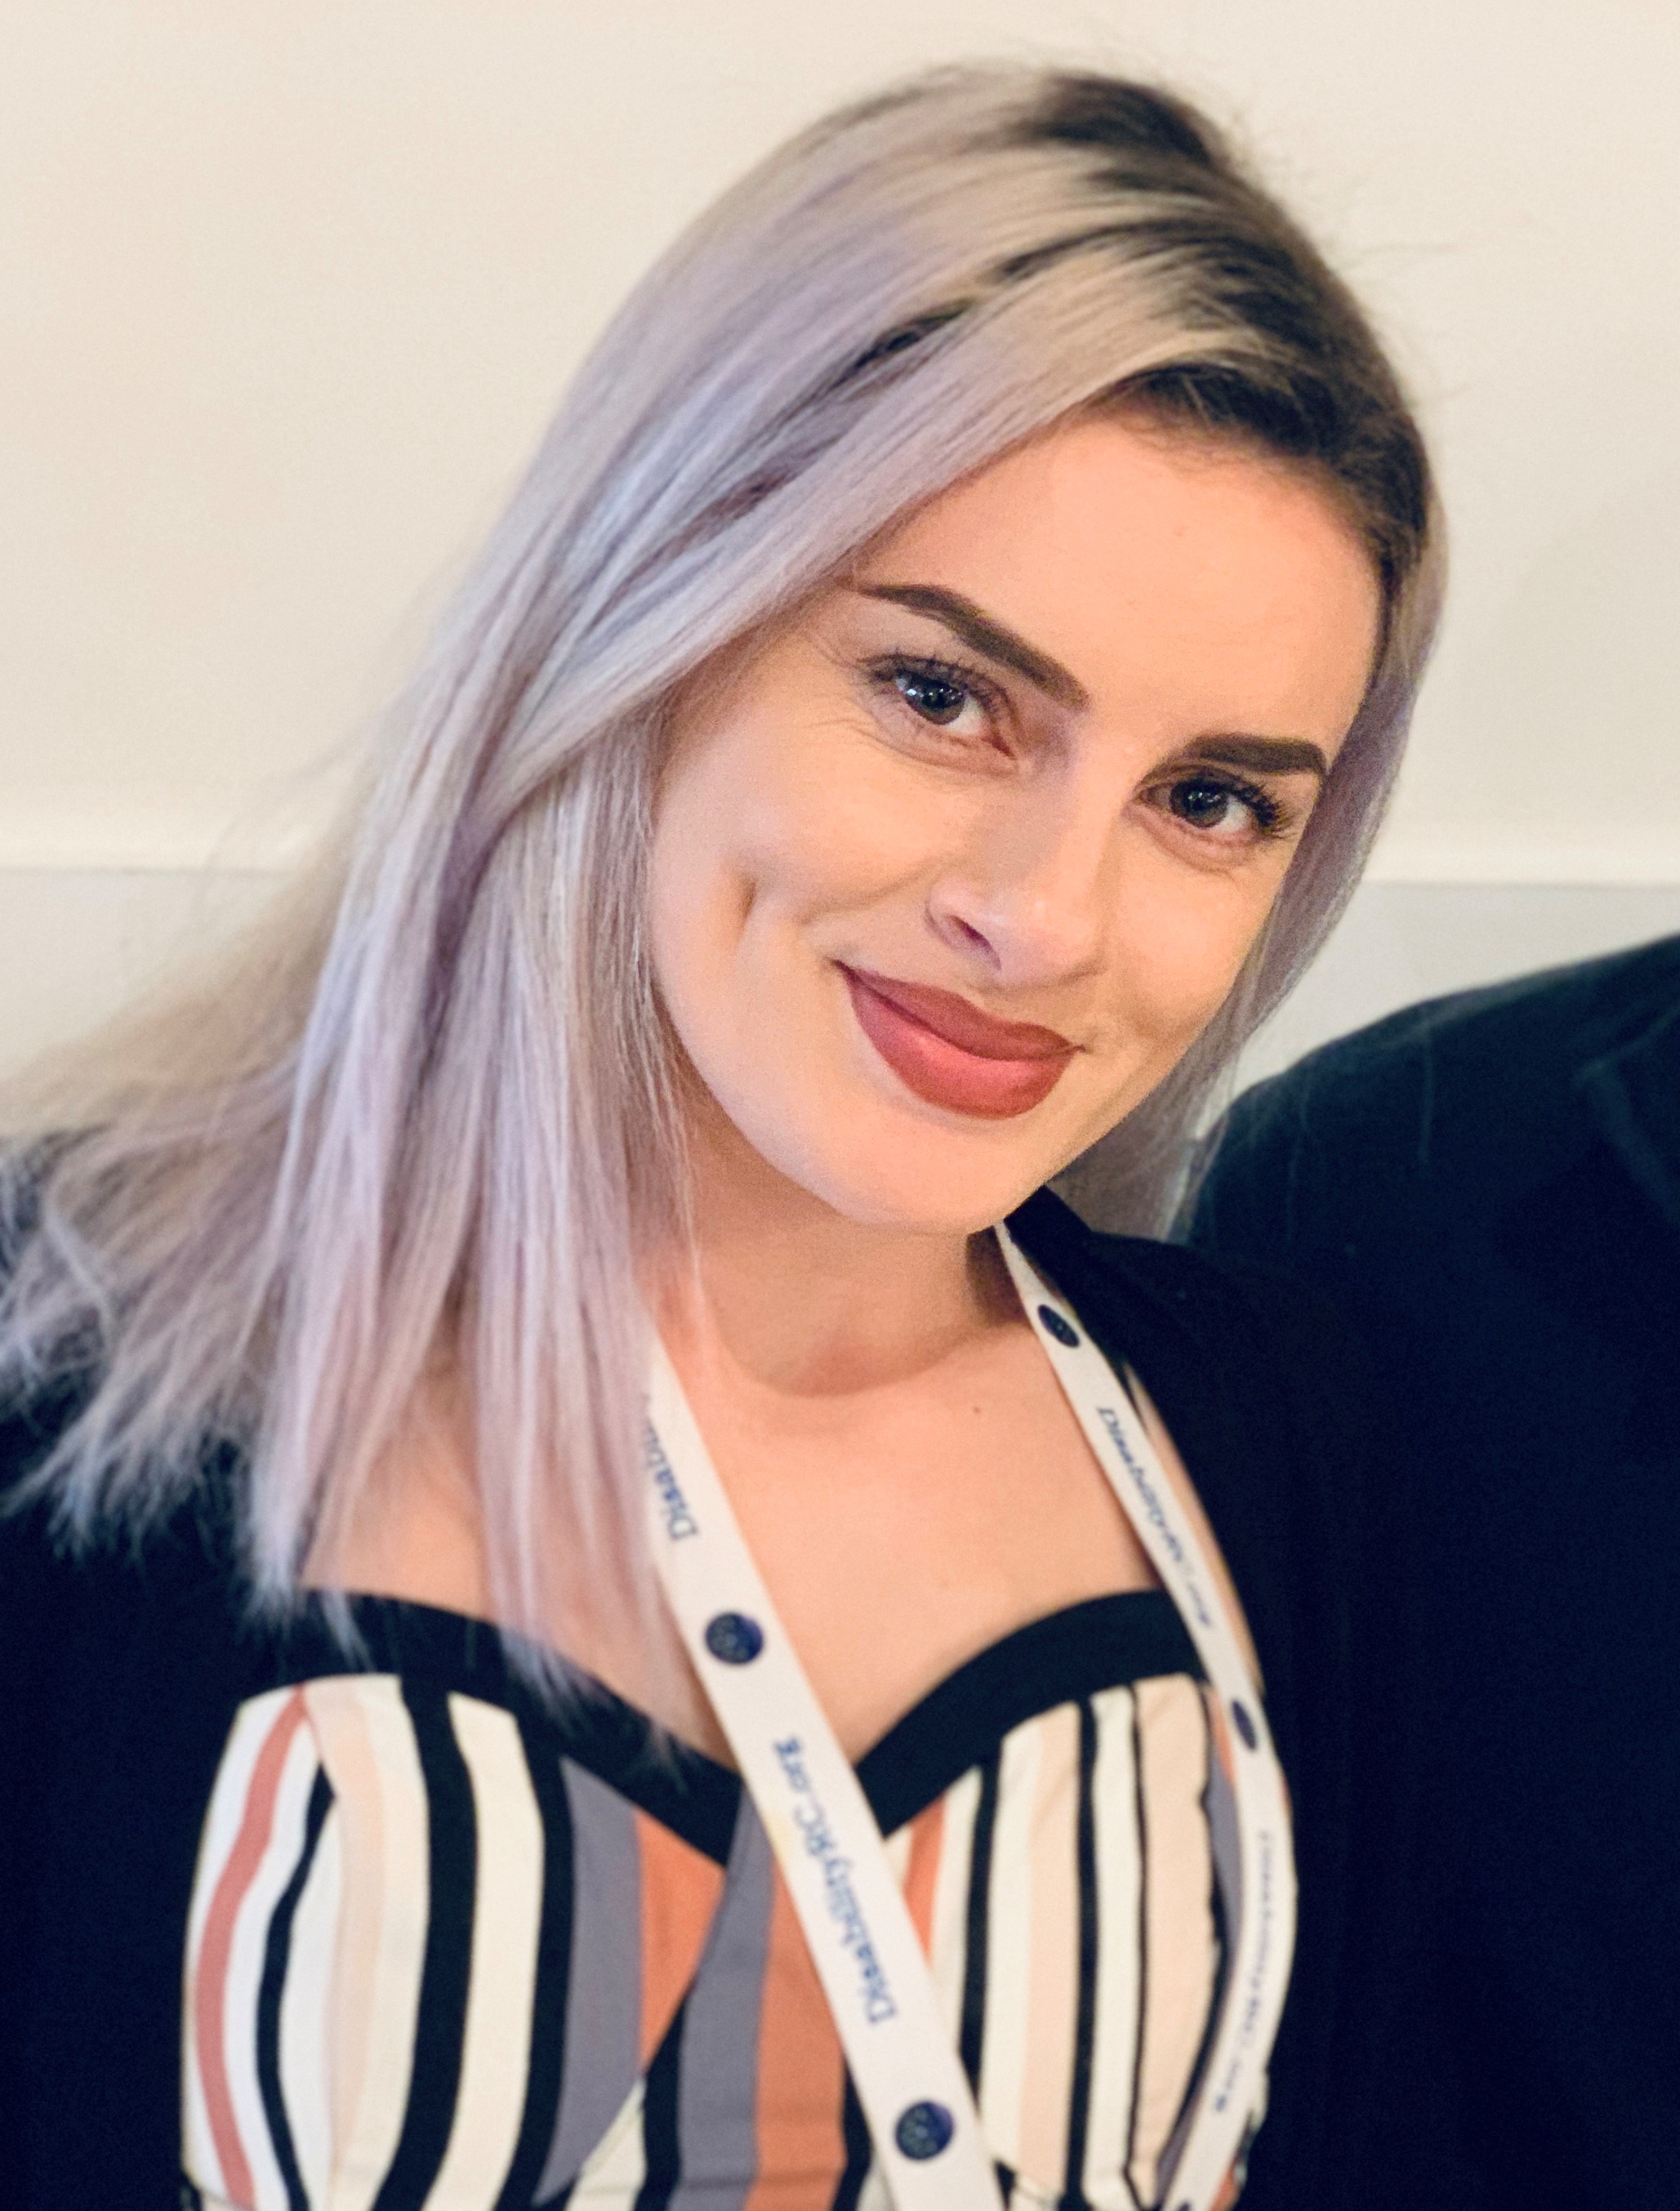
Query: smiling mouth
[951, 1054]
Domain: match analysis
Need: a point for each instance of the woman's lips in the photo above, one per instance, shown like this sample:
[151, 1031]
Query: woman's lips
[952, 1054]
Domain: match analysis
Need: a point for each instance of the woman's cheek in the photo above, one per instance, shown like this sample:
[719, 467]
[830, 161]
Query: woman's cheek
[1180, 950]
[834, 843]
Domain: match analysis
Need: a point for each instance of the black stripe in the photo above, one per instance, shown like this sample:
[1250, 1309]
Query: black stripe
[1106, 1643]
[680, 1787]
[859, 2150]
[684, 1790]
[1084, 2034]
[554, 1969]
[1142, 2012]
[662, 2146]
[972, 2038]
[441, 2028]
[276, 1953]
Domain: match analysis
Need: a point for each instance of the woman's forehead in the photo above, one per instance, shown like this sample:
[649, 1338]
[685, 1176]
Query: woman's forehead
[1138, 562]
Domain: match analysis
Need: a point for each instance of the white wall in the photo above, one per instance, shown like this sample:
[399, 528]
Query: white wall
[287, 291]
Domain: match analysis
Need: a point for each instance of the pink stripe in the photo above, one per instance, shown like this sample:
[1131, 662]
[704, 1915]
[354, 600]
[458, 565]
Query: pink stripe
[210, 1984]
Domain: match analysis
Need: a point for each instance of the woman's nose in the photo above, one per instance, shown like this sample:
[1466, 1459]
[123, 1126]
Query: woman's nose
[1031, 899]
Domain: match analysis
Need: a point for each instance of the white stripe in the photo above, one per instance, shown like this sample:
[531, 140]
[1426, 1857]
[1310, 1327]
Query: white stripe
[950, 1897]
[198, 2158]
[898, 1847]
[223, 1818]
[387, 1871]
[1172, 1732]
[618, 2164]
[245, 1967]
[1053, 2013]
[1023, 2197]
[1004, 2054]
[507, 1913]
[1118, 1961]
[305, 2014]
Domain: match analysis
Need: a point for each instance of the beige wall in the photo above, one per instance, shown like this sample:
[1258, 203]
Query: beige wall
[286, 291]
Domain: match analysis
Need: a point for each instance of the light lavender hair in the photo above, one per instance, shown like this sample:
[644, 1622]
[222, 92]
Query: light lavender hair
[429, 1111]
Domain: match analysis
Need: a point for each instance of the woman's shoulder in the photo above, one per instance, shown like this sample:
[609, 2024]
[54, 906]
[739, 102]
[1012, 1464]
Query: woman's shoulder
[76, 1589]
[1278, 1413]
[1188, 1305]
[35, 1560]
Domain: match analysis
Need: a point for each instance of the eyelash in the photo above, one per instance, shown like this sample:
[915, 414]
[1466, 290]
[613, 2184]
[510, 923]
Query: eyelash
[1271, 816]
[886, 674]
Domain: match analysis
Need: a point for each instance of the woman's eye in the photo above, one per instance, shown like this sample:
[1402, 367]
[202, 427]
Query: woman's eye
[1223, 810]
[937, 697]
[970, 713]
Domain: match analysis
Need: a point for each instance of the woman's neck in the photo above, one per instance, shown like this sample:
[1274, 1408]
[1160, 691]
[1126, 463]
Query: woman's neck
[804, 1301]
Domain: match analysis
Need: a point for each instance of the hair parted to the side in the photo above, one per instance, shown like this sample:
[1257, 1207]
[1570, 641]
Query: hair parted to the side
[430, 1112]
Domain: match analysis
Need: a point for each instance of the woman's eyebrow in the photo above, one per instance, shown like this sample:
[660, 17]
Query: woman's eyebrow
[982, 634]
[1263, 755]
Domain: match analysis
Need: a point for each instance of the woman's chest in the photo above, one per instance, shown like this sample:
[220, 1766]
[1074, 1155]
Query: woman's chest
[433, 1958]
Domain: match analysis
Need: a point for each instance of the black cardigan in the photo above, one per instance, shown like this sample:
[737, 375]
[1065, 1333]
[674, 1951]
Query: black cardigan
[1489, 1187]
[120, 1673]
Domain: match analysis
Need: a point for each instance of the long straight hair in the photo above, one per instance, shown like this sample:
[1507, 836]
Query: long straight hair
[429, 1113]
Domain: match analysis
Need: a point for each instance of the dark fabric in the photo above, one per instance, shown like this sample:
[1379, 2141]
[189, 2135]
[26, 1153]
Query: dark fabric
[1273, 1406]
[1071, 1655]
[1488, 1189]
[120, 1675]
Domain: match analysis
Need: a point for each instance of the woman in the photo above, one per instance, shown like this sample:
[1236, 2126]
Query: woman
[927, 699]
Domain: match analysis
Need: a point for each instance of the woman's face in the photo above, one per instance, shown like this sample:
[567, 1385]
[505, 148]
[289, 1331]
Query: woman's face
[948, 871]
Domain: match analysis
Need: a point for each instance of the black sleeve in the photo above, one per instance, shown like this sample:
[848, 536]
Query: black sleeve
[120, 1669]
[32, 1611]
[1362, 2026]
[1274, 1404]
[1377, 2026]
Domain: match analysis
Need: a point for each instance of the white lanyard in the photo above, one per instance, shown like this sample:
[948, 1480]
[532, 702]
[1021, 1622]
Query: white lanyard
[909, 2080]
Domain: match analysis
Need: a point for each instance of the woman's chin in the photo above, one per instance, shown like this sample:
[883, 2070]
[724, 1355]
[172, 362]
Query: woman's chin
[926, 1188]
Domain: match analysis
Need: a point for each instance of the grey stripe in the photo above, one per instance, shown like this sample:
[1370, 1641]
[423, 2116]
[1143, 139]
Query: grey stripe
[604, 1992]
[1225, 1841]
[717, 2095]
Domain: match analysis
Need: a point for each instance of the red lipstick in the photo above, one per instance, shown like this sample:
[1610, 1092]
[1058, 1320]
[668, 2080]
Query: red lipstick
[952, 1055]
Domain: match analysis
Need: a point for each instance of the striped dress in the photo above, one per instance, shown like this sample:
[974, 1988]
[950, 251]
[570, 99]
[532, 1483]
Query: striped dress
[449, 1948]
